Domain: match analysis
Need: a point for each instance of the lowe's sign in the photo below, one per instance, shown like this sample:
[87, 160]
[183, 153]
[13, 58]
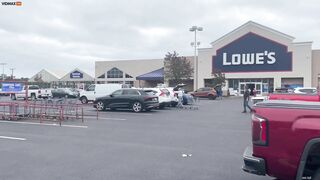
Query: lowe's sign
[252, 53]
[76, 75]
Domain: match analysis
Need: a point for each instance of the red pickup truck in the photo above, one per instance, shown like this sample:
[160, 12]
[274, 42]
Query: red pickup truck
[285, 140]
[294, 96]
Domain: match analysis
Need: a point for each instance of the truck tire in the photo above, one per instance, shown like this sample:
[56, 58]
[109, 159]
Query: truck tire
[33, 97]
[13, 97]
[84, 100]
[316, 175]
[212, 97]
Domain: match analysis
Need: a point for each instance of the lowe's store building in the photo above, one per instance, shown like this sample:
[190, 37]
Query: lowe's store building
[256, 56]
[262, 58]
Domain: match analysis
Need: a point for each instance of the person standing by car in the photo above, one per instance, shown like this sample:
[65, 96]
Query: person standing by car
[246, 97]
[218, 89]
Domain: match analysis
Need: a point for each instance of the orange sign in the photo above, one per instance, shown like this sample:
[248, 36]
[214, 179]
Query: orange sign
[18, 3]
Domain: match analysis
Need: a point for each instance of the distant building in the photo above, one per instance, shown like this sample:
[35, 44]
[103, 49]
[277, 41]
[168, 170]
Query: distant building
[45, 78]
[76, 79]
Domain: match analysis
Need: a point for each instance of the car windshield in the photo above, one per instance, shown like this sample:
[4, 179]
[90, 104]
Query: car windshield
[143, 92]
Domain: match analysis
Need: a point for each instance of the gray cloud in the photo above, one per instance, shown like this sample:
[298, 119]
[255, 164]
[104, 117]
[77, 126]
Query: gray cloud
[62, 35]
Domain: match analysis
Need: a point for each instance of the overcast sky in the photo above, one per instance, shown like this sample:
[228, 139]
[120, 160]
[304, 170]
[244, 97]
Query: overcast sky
[61, 35]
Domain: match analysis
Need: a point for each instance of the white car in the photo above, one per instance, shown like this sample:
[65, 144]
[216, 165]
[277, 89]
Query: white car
[163, 96]
[173, 96]
[305, 90]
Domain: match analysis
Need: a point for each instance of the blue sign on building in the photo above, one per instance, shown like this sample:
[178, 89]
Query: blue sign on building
[76, 75]
[252, 53]
[11, 87]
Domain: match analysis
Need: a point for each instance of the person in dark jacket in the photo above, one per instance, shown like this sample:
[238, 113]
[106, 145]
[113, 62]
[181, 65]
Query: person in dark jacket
[246, 97]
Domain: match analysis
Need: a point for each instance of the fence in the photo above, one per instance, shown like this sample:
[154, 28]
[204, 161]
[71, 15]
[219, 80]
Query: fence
[45, 110]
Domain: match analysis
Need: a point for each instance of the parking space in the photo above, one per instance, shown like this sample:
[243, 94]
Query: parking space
[163, 144]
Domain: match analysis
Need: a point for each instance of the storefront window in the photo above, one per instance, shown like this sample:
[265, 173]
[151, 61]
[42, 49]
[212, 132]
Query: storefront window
[114, 73]
[231, 85]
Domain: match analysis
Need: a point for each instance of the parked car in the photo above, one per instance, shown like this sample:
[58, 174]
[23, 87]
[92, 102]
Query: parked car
[163, 96]
[64, 92]
[173, 97]
[305, 90]
[205, 92]
[285, 140]
[99, 90]
[135, 99]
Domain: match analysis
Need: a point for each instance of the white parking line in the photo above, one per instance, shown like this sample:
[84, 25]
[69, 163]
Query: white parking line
[116, 119]
[12, 138]
[43, 124]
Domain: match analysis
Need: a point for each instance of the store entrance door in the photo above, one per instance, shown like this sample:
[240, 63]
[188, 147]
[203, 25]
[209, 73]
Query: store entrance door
[257, 86]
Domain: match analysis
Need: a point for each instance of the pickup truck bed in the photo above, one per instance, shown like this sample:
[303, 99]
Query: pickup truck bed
[285, 140]
[296, 97]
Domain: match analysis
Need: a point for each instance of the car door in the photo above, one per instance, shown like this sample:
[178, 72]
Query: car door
[91, 93]
[115, 99]
[128, 97]
[206, 91]
[199, 92]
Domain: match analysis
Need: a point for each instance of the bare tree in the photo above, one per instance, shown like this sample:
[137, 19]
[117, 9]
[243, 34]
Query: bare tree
[177, 68]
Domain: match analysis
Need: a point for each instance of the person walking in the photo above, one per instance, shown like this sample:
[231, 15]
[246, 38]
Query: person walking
[246, 97]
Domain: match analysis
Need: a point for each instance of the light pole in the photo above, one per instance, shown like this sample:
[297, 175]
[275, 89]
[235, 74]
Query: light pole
[12, 69]
[195, 44]
[3, 64]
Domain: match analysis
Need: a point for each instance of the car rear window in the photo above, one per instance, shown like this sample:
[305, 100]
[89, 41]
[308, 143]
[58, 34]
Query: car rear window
[165, 91]
[150, 92]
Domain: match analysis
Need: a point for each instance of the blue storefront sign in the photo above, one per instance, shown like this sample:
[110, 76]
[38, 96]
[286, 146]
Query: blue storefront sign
[11, 87]
[252, 53]
[76, 75]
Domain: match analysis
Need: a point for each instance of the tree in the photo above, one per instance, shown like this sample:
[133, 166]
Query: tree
[177, 68]
[219, 78]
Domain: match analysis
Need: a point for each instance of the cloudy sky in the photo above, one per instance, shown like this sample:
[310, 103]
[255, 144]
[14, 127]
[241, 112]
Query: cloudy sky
[61, 35]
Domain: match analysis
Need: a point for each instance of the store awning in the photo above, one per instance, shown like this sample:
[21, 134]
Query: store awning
[154, 75]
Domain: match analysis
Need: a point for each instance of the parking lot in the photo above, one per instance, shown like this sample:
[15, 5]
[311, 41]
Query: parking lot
[162, 144]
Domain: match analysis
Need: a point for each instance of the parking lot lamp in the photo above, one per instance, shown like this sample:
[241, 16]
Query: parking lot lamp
[3, 64]
[195, 44]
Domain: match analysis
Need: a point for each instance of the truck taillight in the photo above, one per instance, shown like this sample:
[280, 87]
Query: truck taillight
[259, 130]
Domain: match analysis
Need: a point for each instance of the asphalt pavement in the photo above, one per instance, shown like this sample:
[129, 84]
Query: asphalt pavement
[170, 144]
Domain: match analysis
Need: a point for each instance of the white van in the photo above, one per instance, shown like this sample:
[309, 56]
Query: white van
[99, 90]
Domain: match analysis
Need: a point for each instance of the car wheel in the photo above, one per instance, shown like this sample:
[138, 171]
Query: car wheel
[84, 100]
[137, 106]
[316, 175]
[13, 97]
[100, 106]
[174, 104]
[33, 97]
[211, 97]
